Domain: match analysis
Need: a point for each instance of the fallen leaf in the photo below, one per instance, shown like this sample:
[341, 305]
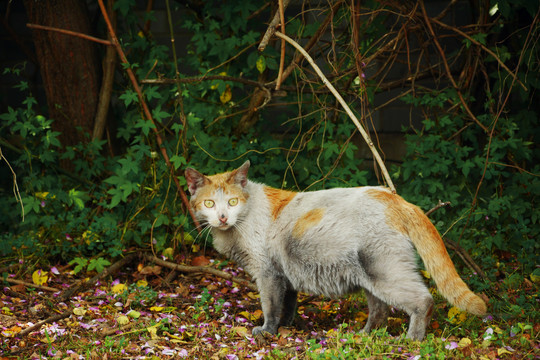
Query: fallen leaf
[464, 342]
[40, 277]
[284, 332]
[79, 311]
[122, 320]
[142, 283]
[240, 330]
[153, 331]
[151, 270]
[251, 316]
[133, 314]
[456, 316]
[252, 295]
[361, 316]
[20, 288]
[502, 350]
[200, 261]
[119, 288]
[156, 308]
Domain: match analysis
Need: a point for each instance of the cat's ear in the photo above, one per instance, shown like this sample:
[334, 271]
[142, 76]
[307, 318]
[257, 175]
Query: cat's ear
[240, 175]
[195, 180]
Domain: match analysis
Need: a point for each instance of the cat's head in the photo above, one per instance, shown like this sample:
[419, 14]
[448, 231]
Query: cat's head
[220, 200]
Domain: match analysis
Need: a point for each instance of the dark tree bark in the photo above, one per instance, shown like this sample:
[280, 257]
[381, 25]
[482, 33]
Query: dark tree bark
[69, 66]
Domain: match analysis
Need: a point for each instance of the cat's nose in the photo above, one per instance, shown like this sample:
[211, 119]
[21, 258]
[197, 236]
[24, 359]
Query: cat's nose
[223, 219]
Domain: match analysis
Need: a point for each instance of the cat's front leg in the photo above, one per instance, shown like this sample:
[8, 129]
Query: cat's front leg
[272, 292]
[289, 307]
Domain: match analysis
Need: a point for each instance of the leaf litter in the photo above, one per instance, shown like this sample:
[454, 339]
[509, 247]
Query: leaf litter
[138, 314]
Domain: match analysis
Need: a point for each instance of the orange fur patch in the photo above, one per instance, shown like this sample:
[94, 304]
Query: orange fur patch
[278, 199]
[308, 220]
[223, 181]
[410, 220]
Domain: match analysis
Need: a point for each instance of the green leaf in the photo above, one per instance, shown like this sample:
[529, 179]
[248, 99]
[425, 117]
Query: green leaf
[98, 264]
[178, 161]
[129, 97]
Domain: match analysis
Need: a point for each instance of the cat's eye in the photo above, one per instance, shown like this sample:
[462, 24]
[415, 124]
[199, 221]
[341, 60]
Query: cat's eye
[209, 203]
[233, 202]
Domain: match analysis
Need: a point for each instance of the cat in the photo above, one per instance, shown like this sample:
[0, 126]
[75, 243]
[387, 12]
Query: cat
[328, 242]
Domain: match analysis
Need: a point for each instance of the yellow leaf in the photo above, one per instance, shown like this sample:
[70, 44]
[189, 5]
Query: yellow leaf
[456, 316]
[535, 278]
[426, 274]
[40, 277]
[12, 331]
[502, 350]
[361, 316]
[6, 311]
[226, 96]
[261, 64]
[79, 311]
[240, 330]
[142, 283]
[122, 320]
[331, 333]
[463, 343]
[89, 236]
[119, 288]
[153, 332]
[133, 314]
[195, 248]
[156, 308]
[168, 253]
[42, 195]
[251, 317]
[252, 295]
[188, 239]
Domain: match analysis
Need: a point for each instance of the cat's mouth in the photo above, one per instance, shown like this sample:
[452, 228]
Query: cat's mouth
[224, 227]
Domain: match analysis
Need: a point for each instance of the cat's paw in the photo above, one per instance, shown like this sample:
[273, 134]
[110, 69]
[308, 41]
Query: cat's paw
[261, 330]
[257, 330]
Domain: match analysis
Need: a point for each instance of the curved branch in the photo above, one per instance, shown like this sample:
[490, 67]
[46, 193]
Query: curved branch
[345, 106]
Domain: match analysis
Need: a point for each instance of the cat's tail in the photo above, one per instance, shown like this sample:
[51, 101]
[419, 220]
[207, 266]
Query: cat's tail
[412, 221]
[431, 249]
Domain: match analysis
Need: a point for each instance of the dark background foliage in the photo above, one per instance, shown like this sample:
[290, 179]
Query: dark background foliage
[448, 90]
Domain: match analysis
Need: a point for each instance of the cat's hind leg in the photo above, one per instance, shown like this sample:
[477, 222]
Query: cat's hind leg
[378, 312]
[411, 296]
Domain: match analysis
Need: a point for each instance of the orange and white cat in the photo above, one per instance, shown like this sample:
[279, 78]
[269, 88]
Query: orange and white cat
[330, 242]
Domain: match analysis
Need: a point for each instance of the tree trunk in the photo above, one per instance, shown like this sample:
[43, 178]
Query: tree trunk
[69, 67]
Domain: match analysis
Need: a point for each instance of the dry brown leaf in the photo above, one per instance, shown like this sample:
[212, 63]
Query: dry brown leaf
[200, 261]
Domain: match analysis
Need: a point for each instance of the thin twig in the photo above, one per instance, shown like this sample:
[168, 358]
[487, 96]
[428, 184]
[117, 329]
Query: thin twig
[15, 185]
[201, 269]
[69, 32]
[447, 68]
[109, 65]
[483, 47]
[282, 58]
[271, 28]
[49, 320]
[437, 207]
[345, 106]
[147, 112]
[30, 285]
